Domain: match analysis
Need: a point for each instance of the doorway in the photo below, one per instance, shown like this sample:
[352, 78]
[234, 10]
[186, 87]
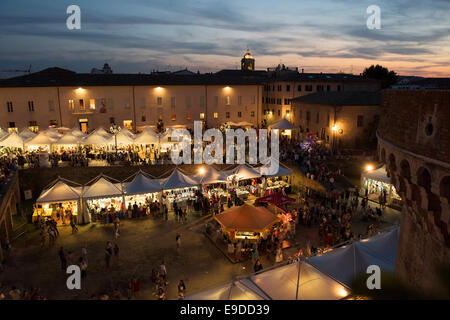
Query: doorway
[84, 125]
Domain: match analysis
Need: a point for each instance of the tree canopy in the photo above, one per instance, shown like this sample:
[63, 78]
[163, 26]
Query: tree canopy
[381, 73]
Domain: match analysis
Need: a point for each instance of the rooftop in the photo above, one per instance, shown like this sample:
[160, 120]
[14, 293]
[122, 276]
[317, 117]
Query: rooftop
[342, 98]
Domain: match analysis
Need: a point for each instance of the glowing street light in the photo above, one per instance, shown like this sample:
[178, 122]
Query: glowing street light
[159, 89]
[334, 128]
[80, 90]
[369, 168]
[201, 171]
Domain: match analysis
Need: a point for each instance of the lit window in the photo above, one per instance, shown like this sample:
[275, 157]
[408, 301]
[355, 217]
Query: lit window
[159, 101]
[216, 115]
[174, 117]
[202, 115]
[51, 105]
[188, 116]
[252, 114]
[92, 104]
[227, 115]
[128, 124]
[81, 101]
[71, 105]
[239, 114]
[239, 100]
[172, 102]
[227, 100]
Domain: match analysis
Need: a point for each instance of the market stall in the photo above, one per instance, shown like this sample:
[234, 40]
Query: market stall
[376, 183]
[246, 222]
[13, 140]
[42, 141]
[67, 141]
[143, 189]
[285, 126]
[178, 187]
[59, 201]
[101, 199]
[27, 134]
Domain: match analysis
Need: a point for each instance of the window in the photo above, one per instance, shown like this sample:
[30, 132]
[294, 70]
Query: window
[30, 106]
[127, 104]
[308, 87]
[279, 112]
[174, 117]
[252, 113]
[253, 99]
[159, 101]
[12, 124]
[143, 118]
[81, 101]
[227, 115]
[317, 117]
[71, 105]
[188, 116]
[202, 115]
[202, 101]
[112, 120]
[188, 101]
[239, 114]
[239, 100]
[279, 101]
[328, 120]
[288, 87]
[328, 87]
[360, 121]
[53, 123]
[287, 101]
[280, 87]
[172, 102]
[308, 115]
[299, 88]
[9, 106]
[92, 104]
[51, 105]
[227, 100]
[216, 115]
[339, 87]
[319, 87]
[32, 125]
[216, 100]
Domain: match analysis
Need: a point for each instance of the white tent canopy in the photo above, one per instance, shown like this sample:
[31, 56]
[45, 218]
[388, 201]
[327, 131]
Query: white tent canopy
[52, 133]
[42, 138]
[176, 180]
[379, 174]
[383, 245]
[147, 136]
[77, 132]
[3, 133]
[69, 139]
[60, 191]
[210, 176]
[280, 169]
[13, 140]
[243, 172]
[142, 184]
[123, 139]
[98, 137]
[283, 124]
[102, 188]
[281, 283]
[27, 134]
[239, 124]
[236, 290]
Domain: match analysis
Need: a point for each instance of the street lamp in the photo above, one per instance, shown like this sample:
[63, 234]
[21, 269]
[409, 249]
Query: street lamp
[115, 129]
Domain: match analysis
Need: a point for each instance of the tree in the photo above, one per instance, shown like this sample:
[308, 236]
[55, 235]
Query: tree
[382, 74]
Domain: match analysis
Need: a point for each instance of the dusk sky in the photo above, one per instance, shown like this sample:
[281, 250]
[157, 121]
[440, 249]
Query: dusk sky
[209, 35]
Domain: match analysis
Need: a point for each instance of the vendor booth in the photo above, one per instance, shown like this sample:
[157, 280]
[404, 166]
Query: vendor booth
[285, 126]
[59, 201]
[377, 182]
[13, 140]
[179, 188]
[147, 137]
[101, 199]
[246, 222]
[143, 189]
[42, 141]
[27, 134]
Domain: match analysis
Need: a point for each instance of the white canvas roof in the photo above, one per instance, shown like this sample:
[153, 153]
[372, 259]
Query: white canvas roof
[102, 188]
[266, 169]
[77, 132]
[281, 283]
[176, 180]
[97, 138]
[379, 174]
[383, 245]
[122, 139]
[27, 134]
[283, 124]
[59, 192]
[69, 139]
[346, 263]
[142, 184]
[52, 133]
[243, 172]
[3, 133]
[41, 139]
[237, 290]
[210, 176]
[148, 136]
[13, 140]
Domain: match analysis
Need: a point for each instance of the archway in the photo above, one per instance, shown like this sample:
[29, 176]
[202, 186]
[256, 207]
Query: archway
[383, 156]
[405, 169]
[444, 188]
[424, 178]
[392, 164]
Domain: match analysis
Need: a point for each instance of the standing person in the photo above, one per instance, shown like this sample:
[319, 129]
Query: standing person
[136, 287]
[178, 241]
[72, 224]
[163, 271]
[83, 267]
[62, 258]
[181, 290]
[108, 254]
[70, 257]
[258, 266]
[84, 254]
[116, 253]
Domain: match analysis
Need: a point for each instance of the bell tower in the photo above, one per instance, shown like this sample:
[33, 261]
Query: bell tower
[248, 62]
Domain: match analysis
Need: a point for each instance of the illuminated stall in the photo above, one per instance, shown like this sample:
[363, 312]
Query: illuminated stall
[42, 141]
[377, 182]
[276, 175]
[285, 126]
[59, 201]
[241, 173]
[143, 189]
[178, 187]
[101, 197]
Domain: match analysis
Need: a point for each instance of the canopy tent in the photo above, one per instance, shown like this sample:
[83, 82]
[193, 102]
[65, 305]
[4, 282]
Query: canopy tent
[27, 134]
[210, 176]
[164, 137]
[3, 133]
[176, 180]
[13, 140]
[283, 124]
[346, 263]
[52, 133]
[239, 124]
[58, 192]
[237, 290]
[278, 169]
[102, 188]
[42, 138]
[246, 218]
[142, 184]
[383, 245]
[147, 136]
[127, 132]
[77, 132]
[62, 130]
[123, 139]
[379, 174]
[283, 282]
[69, 139]
[98, 137]
[243, 172]
[278, 199]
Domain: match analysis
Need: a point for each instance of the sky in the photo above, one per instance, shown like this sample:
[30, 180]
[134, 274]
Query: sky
[209, 35]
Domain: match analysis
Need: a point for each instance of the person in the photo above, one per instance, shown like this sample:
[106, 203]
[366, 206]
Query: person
[62, 258]
[130, 290]
[116, 253]
[14, 293]
[255, 254]
[136, 286]
[108, 253]
[83, 267]
[163, 271]
[84, 253]
[258, 266]
[161, 294]
[178, 241]
[181, 290]
[72, 224]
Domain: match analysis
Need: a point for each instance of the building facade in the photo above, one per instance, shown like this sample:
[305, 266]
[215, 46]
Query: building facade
[414, 143]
